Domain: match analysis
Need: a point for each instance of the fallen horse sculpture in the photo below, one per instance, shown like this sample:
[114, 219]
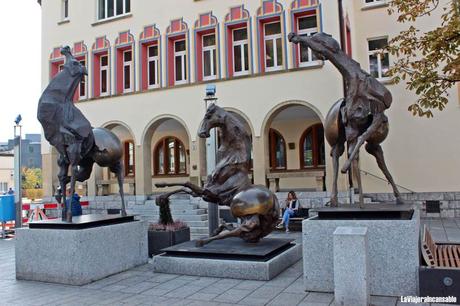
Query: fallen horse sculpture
[358, 118]
[78, 144]
[229, 184]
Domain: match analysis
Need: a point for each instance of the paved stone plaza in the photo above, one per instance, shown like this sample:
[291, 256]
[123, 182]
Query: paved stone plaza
[141, 286]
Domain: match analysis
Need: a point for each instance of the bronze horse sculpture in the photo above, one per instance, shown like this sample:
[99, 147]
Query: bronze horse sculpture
[356, 119]
[78, 144]
[229, 184]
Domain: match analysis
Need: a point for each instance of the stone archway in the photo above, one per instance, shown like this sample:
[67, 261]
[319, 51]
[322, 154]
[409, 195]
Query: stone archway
[294, 158]
[166, 152]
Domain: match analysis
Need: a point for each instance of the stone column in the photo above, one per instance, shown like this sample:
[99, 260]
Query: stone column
[351, 266]
[50, 171]
[91, 182]
[259, 160]
[143, 178]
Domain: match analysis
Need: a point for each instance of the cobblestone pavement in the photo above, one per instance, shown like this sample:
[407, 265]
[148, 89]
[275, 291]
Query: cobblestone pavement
[141, 286]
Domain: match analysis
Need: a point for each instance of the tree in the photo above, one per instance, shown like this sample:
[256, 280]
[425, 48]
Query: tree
[428, 62]
[32, 178]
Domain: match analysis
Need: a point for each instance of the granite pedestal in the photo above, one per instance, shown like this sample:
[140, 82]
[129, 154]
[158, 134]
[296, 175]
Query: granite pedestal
[230, 258]
[79, 256]
[351, 266]
[393, 249]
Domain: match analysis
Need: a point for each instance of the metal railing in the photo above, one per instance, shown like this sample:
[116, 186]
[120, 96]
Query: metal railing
[385, 180]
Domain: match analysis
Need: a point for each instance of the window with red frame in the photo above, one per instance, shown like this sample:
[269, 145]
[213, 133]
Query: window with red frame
[273, 46]
[129, 158]
[312, 152]
[306, 26]
[128, 71]
[170, 157]
[153, 67]
[180, 62]
[209, 57]
[240, 51]
[277, 147]
[82, 86]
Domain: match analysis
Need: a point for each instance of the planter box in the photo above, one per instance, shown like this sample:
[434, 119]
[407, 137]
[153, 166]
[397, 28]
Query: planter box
[159, 240]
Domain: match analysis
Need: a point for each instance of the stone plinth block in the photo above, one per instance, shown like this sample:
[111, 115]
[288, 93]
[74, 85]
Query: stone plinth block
[351, 266]
[78, 257]
[228, 268]
[393, 254]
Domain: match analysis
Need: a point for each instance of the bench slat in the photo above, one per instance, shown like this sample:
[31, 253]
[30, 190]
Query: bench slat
[456, 251]
[440, 257]
[451, 256]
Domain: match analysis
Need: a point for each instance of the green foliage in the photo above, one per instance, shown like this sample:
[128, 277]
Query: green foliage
[428, 62]
[31, 178]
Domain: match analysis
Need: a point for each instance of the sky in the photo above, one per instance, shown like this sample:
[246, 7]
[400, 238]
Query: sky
[20, 76]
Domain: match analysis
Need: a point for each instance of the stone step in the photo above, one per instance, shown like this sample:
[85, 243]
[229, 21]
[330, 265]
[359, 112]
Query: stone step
[184, 211]
[199, 230]
[198, 223]
[186, 218]
[176, 206]
[197, 236]
[171, 202]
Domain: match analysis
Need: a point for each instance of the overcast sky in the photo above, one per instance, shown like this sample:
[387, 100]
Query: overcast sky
[20, 78]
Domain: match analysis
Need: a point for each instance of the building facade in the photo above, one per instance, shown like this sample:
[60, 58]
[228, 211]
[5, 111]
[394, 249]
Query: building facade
[6, 171]
[31, 156]
[150, 61]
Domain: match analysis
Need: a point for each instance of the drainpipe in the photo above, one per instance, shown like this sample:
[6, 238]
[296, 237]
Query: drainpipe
[343, 47]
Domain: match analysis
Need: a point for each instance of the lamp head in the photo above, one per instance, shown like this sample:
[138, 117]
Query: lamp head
[18, 119]
[210, 90]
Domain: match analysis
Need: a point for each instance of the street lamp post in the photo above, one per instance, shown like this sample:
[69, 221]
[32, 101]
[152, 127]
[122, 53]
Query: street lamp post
[17, 171]
[211, 159]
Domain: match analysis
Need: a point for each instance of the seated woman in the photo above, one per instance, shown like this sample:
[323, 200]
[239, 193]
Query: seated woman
[291, 207]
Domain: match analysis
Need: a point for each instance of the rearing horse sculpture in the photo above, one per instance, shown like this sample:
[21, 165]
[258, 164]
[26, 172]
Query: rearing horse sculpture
[356, 119]
[67, 129]
[229, 184]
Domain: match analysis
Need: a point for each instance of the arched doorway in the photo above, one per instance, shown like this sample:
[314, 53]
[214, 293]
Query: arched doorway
[166, 146]
[294, 148]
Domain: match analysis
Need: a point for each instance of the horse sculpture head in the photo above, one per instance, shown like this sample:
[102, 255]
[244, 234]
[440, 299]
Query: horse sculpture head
[74, 67]
[214, 117]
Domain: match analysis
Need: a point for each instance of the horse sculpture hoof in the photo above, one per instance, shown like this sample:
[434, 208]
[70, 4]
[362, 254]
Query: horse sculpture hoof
[199, 243]
[399, 201]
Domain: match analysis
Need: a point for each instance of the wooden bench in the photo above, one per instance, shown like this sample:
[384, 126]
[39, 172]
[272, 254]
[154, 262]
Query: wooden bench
[274, 178]
[440, 254]
[440, 275]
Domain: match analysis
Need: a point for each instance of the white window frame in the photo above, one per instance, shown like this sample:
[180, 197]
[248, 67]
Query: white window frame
[60, 67]
[106, 5]
[240, 43]
[156, 60]
[273, 38]
[308, 32]
[379, 58]
[64, 3]
[213, 75]
[84, 81]
[131, 71]
[106, 69]
[375, 3]
[183, 55]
